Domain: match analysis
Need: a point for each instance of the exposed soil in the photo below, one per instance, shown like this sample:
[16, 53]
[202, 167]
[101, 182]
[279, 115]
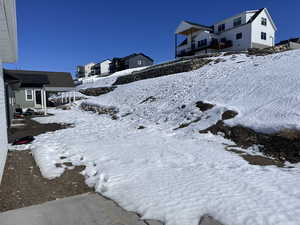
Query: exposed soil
[23, 185]
[275, 145]
[29, 127]
[257, 159]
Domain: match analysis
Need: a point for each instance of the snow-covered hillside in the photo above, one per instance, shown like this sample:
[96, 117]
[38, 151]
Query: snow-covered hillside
[177, 175]
[94, 82]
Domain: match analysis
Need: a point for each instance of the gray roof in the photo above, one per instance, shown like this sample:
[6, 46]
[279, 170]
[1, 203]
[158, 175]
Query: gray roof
[49, 79]
[199, 25]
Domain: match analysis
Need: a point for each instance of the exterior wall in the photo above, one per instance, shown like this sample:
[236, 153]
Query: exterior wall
[241, 44]
[229, 22]
[105, 67]
[198, 36]
[294, 45]
[134, 61]
[21, 99]
[257, 28]
[88, 69]
[3, 123]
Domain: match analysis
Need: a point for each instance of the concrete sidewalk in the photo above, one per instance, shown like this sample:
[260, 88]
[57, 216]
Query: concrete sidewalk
[87, 209]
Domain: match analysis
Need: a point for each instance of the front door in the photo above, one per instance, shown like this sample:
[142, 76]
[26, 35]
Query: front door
[38, 98]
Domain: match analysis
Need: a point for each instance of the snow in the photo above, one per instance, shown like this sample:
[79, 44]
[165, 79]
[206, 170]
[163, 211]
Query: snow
[93, 82]
[178, 175]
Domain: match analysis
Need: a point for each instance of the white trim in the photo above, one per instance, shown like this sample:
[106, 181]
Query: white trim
[32, 94]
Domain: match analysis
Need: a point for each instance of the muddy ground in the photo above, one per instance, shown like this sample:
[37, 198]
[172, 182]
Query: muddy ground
[22, 183]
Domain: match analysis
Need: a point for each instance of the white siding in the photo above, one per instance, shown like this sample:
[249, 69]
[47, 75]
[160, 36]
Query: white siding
[241, 44]
[105, 67]
[229, 22]
[3, 124]
[88, 69]
[257, 28]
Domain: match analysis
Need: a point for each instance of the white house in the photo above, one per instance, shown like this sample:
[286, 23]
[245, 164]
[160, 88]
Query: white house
[249, 29]
[8, 54]
[104, 70]
[88, 69]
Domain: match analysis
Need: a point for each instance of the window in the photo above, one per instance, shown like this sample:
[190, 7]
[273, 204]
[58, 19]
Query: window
[29, 95]
[139, 62]
[263, 21]
[202, 43]
[239, 36]
[263, 35]
[221, 27]
[237, 21]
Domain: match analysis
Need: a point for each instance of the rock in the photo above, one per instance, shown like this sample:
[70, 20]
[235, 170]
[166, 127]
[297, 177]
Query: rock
[97, 91]
[100, 109]
[165, 69]
[208, 220]
[149, 99]
[204, 106]
[229, 114]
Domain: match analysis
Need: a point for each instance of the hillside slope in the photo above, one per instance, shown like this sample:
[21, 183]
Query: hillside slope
[263, 90]
[145, 151]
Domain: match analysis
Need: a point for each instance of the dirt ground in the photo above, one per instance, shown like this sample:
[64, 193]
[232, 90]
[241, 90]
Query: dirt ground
[22, 183]
[31, 128]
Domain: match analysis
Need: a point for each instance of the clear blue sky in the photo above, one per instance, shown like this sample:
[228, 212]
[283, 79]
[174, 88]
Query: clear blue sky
[57, 35]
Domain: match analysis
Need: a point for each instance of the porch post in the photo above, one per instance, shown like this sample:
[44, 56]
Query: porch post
[42, 99]
[45, 101]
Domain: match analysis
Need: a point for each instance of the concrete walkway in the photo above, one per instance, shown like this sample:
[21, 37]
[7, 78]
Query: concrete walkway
[87, 209]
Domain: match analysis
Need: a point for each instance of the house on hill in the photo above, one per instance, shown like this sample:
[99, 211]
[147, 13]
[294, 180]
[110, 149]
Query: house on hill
[132, 61]
[101, 68]
[249, 29]
[35, 87]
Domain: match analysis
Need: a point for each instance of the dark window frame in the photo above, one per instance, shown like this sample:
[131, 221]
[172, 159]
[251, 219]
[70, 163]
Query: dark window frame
[221, 27]
[239, 36]
[263, 36]
[202, 43]
[237, 21]
[264, 21]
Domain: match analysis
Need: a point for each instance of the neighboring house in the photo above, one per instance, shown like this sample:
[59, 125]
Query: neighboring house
[250, 29]
[8, 54]
[37, 86]
[293, 43]
[88, 69]
[101, 68]
[104, 71]
[80, 72]
[131, 61]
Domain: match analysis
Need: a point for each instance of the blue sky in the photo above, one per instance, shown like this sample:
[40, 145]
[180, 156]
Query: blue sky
[57, 35]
